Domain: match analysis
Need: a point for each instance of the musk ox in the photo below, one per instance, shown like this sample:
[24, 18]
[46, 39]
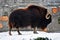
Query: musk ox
[33, 15]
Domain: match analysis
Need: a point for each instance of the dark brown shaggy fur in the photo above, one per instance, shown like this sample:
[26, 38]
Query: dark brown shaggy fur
[33, 15]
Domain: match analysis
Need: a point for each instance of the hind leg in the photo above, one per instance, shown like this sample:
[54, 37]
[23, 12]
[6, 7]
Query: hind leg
[34, 29]
[35, 32]
[10, 30]
[18, 31]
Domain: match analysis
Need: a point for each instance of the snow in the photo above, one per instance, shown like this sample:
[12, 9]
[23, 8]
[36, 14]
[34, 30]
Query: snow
[28, 35]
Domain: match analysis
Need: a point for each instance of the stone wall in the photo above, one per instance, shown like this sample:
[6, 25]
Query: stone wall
[9, 5]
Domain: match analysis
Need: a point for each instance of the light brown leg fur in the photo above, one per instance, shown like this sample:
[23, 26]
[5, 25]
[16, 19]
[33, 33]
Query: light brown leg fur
[45, 29]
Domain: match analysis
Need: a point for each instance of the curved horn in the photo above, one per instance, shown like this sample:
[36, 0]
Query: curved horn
[48, 15]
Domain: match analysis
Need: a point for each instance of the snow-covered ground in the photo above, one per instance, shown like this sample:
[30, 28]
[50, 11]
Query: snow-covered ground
[28, 35]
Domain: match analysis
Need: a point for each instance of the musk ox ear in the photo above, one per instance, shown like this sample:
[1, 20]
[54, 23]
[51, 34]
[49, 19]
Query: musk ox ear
[48, 15]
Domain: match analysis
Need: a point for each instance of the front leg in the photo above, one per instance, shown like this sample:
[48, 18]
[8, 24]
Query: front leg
[45, 29]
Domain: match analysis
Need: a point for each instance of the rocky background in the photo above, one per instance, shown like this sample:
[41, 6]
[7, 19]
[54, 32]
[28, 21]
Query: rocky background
[7, 6]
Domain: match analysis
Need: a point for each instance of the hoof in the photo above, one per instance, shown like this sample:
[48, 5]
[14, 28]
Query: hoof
[19, 34]
[35, 32]
[10, 34]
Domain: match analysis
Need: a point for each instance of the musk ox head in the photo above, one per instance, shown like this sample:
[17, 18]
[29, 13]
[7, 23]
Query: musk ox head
[43, 12]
